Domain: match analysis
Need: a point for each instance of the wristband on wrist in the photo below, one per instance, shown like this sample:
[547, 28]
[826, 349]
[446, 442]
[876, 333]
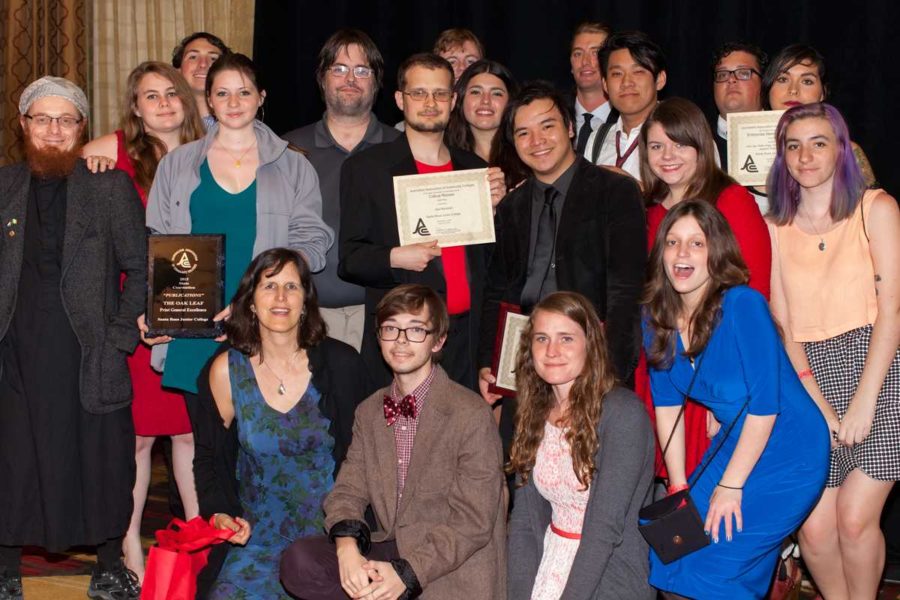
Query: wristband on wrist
[730, 487]
[676, 488]
[804, 373]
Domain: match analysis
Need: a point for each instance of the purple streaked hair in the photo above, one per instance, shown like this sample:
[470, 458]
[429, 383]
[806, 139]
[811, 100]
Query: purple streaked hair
[848, 184]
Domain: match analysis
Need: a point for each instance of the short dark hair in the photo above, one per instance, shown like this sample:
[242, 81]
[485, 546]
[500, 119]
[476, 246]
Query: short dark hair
[233, 61]
[423, 59]
[787, 58]
[456, 36]
[243, 328]
[645, 51]
[762, 59]
[531, 91]
[342, 38]
[411, 298]
[178, 52]
[590, 27]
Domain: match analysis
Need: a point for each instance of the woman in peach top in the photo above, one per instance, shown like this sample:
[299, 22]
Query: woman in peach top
[836, 292]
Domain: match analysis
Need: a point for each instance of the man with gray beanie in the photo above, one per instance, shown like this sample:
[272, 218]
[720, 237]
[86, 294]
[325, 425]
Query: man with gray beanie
[66, 327]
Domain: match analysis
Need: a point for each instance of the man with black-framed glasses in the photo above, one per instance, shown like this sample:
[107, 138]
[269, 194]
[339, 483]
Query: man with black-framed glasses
[370, 250]
[426, 457]
[349, 73]
[737, 86]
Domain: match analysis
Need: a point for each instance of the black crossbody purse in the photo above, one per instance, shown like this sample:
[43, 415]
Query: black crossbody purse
[672, 526]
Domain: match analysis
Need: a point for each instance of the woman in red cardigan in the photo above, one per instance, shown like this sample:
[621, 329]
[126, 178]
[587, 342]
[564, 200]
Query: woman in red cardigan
[678, 162]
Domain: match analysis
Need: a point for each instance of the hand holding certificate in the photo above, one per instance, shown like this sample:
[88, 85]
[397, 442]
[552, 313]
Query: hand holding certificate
[751, 145]
[453, 208]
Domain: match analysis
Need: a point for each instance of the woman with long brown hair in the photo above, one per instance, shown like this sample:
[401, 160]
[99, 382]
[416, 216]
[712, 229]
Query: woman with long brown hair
[583, 453]
[678, 162]
[158, 115]
[708, 333]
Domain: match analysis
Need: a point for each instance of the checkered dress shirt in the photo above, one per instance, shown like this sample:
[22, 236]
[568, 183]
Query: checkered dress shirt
[405, 429]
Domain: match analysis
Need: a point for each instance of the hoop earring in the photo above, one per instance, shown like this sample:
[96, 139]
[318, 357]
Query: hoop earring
[261, 111]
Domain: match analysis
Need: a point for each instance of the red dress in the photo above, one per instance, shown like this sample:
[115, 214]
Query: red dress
[742, 213]
[154, 410]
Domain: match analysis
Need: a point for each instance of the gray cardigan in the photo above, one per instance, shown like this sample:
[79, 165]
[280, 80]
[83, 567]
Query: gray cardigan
[612, 559]
[288, 202]
[104, 237]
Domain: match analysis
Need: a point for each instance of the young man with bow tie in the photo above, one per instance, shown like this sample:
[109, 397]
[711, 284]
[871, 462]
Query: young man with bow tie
[426, 457]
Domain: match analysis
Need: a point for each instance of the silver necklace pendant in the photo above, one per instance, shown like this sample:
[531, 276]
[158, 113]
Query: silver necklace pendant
[281, 389]
[821, 245]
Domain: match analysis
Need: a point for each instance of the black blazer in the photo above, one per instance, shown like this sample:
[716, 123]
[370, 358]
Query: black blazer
[368, 232]
[104, 237]
[338, 374]
[601, 252]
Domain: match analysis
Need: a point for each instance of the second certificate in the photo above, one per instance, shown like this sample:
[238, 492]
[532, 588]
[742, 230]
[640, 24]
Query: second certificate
[453, 208]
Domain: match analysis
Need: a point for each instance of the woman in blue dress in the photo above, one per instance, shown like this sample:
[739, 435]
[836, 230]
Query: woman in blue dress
[772, 465]
[279, 423]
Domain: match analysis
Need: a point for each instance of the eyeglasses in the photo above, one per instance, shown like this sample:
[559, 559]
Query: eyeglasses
[420, 95]
[743, 74]
[64, 121]
[389, 333]
[359, 71]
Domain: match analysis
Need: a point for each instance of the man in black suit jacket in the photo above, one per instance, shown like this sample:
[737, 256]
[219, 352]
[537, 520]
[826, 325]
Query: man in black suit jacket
[370, 251]
[572, 226]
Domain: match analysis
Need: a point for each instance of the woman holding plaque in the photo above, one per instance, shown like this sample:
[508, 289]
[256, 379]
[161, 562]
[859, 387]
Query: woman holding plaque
[797, 76]
[276, 422]
[709, 336]
[836, 293]
[240, 180]
[482, 92]
[678, 163]
[159, 115]
[583, 460]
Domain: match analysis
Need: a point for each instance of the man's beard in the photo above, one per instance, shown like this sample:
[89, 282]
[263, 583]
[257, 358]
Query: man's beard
[49, 163]
[428, 127]
[347, 107]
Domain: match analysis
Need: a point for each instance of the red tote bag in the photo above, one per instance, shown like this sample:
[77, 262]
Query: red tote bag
[179, 556]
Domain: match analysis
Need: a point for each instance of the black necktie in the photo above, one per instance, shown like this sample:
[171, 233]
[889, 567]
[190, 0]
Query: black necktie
[583, 134]
[544, 248]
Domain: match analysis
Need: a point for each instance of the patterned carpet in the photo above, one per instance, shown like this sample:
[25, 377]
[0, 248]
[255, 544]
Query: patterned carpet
[65, 576]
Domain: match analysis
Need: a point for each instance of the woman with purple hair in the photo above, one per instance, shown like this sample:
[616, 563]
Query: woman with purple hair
[836, 293]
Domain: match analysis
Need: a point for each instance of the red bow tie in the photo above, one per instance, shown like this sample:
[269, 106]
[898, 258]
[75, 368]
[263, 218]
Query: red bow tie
[393, 409]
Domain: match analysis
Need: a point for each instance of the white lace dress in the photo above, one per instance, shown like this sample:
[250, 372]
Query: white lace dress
[555, 480]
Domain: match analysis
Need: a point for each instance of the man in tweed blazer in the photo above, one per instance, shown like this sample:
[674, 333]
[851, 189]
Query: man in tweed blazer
[426, 457]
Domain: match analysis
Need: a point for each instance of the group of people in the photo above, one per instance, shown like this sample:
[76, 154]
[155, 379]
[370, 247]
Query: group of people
[739, 342]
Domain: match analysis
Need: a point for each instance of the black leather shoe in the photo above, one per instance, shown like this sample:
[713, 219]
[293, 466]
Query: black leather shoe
[10, 587]
[118, 583]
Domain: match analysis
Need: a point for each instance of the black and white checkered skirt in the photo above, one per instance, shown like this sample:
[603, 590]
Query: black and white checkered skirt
[837, 364]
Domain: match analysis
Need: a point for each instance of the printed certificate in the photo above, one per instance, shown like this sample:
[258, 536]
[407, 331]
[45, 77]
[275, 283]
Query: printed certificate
[510, 327]
[751, 145]
[453, 208]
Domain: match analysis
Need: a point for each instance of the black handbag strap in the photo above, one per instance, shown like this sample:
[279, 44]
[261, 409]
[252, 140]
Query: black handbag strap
[706, 463]
[698, 473]
[680, 413]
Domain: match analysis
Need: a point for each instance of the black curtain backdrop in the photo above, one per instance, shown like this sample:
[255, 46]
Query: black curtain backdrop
[532, 37]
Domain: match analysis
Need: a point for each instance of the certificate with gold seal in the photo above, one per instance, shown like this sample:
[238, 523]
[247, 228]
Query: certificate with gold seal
[751, 145]
[453, 208]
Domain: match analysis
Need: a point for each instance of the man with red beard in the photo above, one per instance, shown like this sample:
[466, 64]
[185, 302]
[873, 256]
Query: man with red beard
[66, 326]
